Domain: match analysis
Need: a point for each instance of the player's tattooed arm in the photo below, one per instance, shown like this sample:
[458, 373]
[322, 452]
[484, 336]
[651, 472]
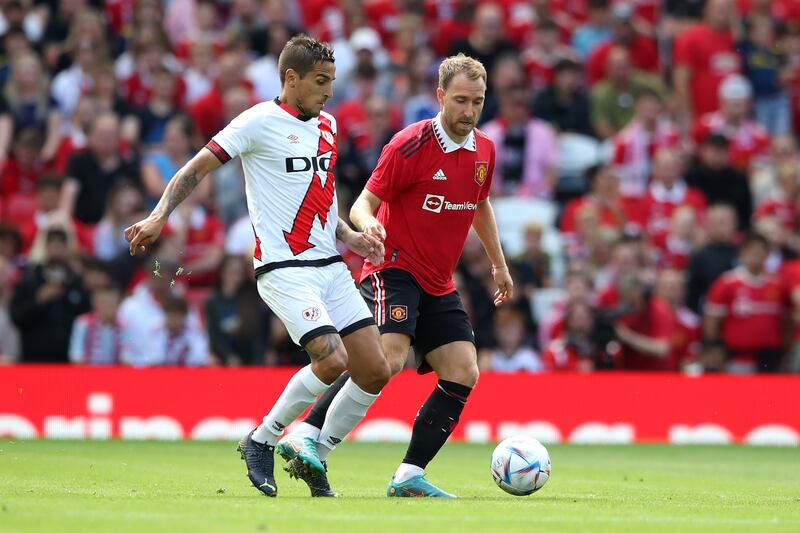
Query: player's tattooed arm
[180, 186]
[342, 229]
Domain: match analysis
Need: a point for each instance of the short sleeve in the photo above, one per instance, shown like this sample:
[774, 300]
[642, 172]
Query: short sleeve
[489, 176]
[237, 137]
[682, 52]
[388, 178]
[719, 299]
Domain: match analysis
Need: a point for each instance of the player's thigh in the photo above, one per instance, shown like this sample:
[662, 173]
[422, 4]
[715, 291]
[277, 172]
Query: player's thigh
[446, 340]
[295, 295]
[394, 297]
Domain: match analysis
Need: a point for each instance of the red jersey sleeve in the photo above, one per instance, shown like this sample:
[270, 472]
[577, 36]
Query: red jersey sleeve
[388, 179]
[719, 298]
[682, 51]
[484, 194]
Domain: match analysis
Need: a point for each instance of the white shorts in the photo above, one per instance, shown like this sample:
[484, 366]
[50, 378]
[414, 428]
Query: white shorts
[314, 301]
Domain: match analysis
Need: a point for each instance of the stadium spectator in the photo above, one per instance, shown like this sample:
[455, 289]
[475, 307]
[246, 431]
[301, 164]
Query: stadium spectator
[742, 324]
[91, 174]
[48, 213]
[208, 113]
[643, 50]
[9, 335]
[98, 336]
[46, 301]
[423, 75]
[161, 106]
[486, 41]
[764, 65]
[544, 53]
[199, 235]
[175, 342]
[532, 265]
[30, 105]
[578, 288]
[105, 90]
[671, 287]
[717, 256]
[160, 165]
[667, 192]
[564, 103]
[56, 31]
[136, 68]
[636, 144]
[199, 74]
[612, 100]
[645, 328]
[595, 31]
[764, 179]
[237, 320]
[527, 152]
[142, 313]
[713, 174]
[685, 234]
[124, 202]
[575, 350]
[749, 141]
[227, 188]
[704, 54]
[25, 166]
[784, 199]
[602, 199]
[514, 352]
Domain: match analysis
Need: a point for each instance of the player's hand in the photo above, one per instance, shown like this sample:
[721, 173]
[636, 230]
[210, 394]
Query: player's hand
[144, 233]
[367, 246]
[505, 285]
[376, 229]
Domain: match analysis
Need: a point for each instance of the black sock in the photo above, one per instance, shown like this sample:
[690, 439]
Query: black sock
[316, 417]
[435, 421]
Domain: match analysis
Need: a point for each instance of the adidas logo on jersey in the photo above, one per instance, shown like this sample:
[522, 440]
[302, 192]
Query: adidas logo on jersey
[439, 176]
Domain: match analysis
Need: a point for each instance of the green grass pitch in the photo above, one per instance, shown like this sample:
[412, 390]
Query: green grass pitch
[119, 486]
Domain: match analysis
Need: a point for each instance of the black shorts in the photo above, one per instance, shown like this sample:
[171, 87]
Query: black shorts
[400, 305]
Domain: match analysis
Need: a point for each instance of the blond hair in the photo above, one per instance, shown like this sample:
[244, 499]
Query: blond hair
[458, 64]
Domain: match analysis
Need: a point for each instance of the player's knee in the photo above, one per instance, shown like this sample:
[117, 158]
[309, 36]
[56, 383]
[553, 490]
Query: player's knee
[396, 360]
[328, 357]
[466, 375]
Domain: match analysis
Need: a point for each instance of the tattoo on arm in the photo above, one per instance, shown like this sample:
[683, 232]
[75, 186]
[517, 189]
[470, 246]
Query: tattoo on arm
[341, 229]
[323, 346]
[179, 187]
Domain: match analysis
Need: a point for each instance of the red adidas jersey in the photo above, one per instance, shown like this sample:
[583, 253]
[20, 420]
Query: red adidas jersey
[429, 188]
[751, 307]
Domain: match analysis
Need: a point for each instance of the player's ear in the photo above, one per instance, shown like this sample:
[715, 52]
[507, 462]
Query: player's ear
[290, 77]
[440, 95]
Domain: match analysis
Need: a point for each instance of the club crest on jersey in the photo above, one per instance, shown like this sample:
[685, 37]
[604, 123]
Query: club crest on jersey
[481, 171]
[328, 136]
[398, 313]
[312, 313]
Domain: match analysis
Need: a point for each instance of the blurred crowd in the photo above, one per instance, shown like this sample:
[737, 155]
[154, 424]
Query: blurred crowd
[647, 180]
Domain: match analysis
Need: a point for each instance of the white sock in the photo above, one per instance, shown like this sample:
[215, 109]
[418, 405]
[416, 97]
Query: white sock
[301, 391]
[304, 429]
[406, 471]
[347, 409]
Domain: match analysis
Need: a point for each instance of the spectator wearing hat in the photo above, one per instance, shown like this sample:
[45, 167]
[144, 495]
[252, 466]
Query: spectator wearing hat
[642, 49]
[748, 139]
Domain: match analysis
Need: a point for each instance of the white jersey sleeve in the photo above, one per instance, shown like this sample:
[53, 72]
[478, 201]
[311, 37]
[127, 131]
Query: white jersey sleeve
[236, 139]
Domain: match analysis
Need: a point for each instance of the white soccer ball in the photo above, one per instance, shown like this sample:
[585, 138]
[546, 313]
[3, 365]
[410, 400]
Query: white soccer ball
[520, 465]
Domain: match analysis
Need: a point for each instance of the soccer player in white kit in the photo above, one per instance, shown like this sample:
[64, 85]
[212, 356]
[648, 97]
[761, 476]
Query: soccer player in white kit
[288, 149]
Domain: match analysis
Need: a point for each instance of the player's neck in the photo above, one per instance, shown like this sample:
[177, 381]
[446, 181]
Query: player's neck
[291, 103]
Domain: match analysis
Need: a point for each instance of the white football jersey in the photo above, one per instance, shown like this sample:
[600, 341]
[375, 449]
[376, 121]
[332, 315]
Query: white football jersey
[291, 195]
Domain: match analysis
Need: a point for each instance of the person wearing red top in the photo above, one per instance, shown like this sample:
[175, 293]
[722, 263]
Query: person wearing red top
[643, 49]
[666, 193]
[646, 328]
[603, 199]
[743, 315]
[430, 186]
[671, 286]
[208, 112]
[574, 350]
[748, 139]
[704, 55]
[783, 203]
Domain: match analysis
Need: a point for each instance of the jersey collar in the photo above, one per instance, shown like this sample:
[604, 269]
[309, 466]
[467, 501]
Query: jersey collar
[446, 143]
[294, 113]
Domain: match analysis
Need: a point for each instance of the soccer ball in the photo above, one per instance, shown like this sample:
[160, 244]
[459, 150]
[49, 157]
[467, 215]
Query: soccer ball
[520, 465]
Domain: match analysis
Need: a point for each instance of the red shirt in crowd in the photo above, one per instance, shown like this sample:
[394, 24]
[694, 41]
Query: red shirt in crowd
[656, 321]
[751, 308]
[654, 212]
[429, 188]
[611, 216]
[644, 56]
[782, 209]
[204, 231]
[748, 141]
[710, 56]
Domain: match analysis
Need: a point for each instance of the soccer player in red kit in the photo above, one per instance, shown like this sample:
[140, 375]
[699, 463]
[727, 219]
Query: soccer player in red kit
[431, 184]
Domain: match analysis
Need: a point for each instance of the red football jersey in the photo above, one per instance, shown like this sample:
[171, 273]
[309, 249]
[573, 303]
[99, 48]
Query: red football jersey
[656, 321]
[656, 209]
[751, 308]
[429, 188]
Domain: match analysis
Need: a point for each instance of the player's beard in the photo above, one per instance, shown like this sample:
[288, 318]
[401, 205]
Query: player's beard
[304, 111]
